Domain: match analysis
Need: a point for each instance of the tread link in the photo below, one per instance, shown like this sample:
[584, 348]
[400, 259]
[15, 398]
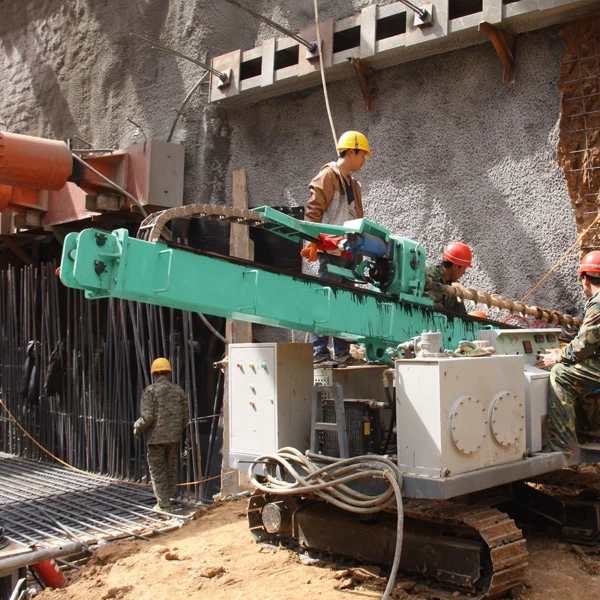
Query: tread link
[504, 563]
[504, 540]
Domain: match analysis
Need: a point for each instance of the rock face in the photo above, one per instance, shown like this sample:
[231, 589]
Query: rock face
[579, 147]
[456, 153]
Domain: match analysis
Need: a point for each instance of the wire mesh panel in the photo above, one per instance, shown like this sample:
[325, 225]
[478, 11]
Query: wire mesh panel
[579, 147]
[362, 427]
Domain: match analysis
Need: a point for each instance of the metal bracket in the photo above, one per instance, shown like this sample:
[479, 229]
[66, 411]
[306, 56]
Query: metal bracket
[425, 18]
[363, 75]
[506, 45]
[225, 80]
[314, 53]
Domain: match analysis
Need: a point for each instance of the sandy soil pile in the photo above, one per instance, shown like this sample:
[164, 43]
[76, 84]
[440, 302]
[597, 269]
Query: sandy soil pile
[215, 557]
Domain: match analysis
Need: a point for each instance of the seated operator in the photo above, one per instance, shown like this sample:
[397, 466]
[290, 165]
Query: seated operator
[575, 368]
[456, 258]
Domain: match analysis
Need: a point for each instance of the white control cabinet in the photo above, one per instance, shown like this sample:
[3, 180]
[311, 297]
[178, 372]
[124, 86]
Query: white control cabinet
[270, 396]
[536, 405]
[529, 343]
[526, 342]
[456, 415]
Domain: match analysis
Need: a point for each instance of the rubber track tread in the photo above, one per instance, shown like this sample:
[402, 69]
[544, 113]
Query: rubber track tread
[507, 547]
[571, 480]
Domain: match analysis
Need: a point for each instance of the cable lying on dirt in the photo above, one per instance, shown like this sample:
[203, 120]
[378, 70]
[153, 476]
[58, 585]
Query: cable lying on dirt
[329, 483]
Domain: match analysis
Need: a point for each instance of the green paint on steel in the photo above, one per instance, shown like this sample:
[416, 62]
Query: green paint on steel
[115, 265]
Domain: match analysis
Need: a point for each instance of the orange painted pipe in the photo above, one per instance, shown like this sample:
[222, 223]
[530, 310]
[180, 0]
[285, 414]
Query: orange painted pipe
[34, 162]
[6, 192]
[50, 574]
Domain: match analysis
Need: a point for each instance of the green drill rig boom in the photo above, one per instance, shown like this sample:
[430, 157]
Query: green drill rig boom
[388, 309]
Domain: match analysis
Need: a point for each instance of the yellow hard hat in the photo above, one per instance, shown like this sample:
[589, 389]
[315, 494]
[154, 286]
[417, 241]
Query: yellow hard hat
[160, 364]
[353, 140]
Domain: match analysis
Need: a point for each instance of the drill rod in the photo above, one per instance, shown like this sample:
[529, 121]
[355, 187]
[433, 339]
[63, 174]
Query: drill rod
[513, 306]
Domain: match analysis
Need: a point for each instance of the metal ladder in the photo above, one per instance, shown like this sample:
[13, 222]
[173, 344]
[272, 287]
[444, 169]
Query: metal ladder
[324, 392]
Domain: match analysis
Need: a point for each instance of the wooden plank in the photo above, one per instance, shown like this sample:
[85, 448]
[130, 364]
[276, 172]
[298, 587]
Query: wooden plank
[16, 250]
[240, 246]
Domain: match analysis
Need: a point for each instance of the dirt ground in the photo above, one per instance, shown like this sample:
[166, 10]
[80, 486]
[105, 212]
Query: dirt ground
[214, 556]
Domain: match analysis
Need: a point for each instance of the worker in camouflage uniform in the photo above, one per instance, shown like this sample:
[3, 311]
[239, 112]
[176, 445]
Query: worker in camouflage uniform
[575, 368]
[456, 258]
[164, 415]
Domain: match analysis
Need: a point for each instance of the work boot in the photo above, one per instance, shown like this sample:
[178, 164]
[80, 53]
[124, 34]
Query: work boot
[347, 360]
[319, 359]
[163, 509]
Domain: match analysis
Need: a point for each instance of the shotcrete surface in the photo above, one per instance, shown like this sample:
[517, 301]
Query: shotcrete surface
[456, 153]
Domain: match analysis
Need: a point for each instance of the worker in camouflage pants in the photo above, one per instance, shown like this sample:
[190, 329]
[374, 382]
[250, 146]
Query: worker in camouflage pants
[456, 259]
[164, 415]
[575, 374]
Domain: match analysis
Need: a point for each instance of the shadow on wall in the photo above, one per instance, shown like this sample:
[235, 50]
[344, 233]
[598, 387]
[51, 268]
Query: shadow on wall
[42, 77]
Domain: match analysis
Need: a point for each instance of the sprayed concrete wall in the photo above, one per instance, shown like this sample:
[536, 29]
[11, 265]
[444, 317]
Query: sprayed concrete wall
[456, 153]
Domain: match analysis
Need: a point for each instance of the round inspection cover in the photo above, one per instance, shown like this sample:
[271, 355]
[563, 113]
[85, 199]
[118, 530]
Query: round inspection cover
[272, 517]
[507, 418]
[468, 424]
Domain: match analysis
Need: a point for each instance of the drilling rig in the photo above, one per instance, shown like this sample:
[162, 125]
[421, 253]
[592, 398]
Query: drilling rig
[414, 460]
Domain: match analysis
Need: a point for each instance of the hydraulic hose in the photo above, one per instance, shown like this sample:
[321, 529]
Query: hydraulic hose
[329, 483]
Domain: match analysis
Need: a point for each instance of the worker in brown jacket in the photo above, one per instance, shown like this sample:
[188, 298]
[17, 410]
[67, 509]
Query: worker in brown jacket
[336, 197]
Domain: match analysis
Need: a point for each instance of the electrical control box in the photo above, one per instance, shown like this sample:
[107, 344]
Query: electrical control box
[456, 415]
[524, 342]
[270, 399]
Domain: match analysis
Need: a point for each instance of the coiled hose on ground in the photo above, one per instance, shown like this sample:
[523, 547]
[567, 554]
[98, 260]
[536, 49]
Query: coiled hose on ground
[329, 483]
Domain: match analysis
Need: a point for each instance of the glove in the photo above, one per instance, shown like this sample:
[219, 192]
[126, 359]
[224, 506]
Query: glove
[137, 432]
[310, 252]
[329, 242]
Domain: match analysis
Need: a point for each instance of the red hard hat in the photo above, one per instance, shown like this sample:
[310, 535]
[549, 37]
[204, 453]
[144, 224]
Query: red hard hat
[590, 263]
[458, 253]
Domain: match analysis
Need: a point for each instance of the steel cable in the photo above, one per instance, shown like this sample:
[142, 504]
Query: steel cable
[322, 69]
[559, 261]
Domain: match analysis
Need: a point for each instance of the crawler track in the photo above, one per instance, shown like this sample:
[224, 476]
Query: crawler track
[439, 529]
[506, 562]
[569, 497]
